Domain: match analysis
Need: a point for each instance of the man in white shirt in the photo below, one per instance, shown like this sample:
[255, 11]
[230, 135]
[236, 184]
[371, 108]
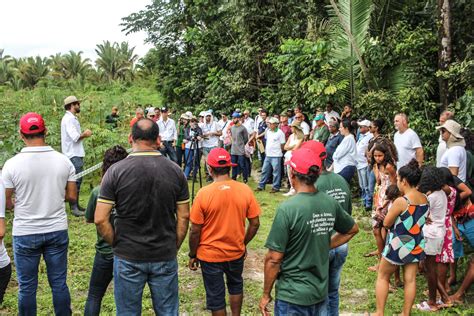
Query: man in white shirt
[41, 179]
[210, 132]
[275, 140]
[224, 124]
[5, 262]
[455, 157]
[168, 134]
[363, 170]
[248, 122]
[330, 114]
[299, 117]
[407, 142]
[71, 143]
[441, 149]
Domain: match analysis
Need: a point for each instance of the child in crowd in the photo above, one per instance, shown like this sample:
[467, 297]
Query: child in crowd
[405, 242]
[432, 183]
[447, 254]
[385, 175]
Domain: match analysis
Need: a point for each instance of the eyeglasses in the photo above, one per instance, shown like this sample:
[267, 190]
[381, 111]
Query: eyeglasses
[298, 117]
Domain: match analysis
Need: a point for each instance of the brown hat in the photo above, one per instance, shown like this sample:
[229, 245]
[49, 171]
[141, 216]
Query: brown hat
[297, 125]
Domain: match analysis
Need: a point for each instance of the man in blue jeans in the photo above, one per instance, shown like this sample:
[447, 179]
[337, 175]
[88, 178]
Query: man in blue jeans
[299, 241]
[40, 224]
[275, 140]
[148, 231]
[335, 186]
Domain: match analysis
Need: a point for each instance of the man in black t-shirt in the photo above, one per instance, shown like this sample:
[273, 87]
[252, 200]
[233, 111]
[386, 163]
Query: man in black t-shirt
[151, 221]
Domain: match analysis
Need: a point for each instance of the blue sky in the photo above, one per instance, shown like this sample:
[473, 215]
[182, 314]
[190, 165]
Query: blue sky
[47, 27]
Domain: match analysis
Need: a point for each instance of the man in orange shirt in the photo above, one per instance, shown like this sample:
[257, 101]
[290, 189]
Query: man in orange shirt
[218, 238]
[139, 114]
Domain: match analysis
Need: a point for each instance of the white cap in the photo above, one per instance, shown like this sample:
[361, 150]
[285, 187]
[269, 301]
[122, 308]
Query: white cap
[364, 123]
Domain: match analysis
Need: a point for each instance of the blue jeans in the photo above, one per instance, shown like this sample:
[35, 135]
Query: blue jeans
[347, 173]
[169, 150]
[130, 279]
[287, 309]
[242, 167]
[28, 250]
[78, 163]
[337, 258]
[371, 185]
[271, 163]
[102, 273]
[467, 233]
[364, 186]
[189, 154]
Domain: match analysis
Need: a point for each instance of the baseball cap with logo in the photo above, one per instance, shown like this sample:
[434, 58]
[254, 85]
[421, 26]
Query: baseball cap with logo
[273, 120]
[317, 148]
[302, 160]
[365, 123]
[70, 99]
[32, 123]
[219, 157]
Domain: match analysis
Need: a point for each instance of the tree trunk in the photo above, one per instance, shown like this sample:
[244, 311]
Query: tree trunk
[445, 50]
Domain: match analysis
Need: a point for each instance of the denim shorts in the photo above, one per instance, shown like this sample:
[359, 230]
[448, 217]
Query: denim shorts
[213, 275]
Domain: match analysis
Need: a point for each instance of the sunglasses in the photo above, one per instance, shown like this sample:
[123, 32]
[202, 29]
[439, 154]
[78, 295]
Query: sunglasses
[298, 117]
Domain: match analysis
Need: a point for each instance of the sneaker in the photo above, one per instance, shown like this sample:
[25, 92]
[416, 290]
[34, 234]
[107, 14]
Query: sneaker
[274, 190]
[290, 193]
[76, 212]
[258, 189]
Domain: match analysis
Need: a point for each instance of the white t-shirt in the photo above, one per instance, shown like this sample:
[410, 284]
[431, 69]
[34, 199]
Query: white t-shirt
[257, 121]
[39, 176]
[438, 206]
[440, 150]
[406, 145]
[249, 124]
[210, 141]
[71, 146]
[305, 128]
[345, 154]
[4, 258]
[274, 142]
[362, 145]
[456, 157]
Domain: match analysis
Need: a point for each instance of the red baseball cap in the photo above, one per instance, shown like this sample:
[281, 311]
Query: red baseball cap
[316, 147]
[219, 157]
[32, 123]
[302, 159]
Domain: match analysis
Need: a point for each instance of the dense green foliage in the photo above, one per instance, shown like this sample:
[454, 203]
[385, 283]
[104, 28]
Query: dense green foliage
[279, 54]
[96, 105]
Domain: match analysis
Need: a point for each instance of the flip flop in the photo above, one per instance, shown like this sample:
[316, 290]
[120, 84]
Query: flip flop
[442, 305]
[425, 307]
[371, 254]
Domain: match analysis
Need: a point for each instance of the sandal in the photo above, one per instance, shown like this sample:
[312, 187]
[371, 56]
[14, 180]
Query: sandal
[371, 254]
[425, 307]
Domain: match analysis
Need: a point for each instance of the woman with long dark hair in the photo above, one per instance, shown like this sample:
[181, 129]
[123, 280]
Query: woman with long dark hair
[345, 155]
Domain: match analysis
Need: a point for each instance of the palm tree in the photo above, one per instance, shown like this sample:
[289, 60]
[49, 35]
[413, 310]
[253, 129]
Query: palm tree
[33, 69]
[116, 61]
[74, 66]
[351, 19]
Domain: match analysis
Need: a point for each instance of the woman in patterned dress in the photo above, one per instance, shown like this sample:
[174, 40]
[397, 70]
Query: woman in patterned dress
[405, 242]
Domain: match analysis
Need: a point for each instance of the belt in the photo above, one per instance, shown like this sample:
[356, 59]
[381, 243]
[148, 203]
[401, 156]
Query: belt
[168, 141]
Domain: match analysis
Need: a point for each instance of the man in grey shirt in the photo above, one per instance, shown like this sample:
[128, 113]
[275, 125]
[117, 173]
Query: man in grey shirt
[240, 137]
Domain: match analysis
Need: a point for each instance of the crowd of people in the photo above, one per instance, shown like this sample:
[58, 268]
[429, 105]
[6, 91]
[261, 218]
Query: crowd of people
[420, 213]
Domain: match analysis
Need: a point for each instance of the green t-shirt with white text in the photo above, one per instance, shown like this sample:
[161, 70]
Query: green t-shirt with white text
[336, 187]
[302, 230]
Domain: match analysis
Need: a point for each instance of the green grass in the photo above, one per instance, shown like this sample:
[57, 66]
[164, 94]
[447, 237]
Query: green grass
[357, 285]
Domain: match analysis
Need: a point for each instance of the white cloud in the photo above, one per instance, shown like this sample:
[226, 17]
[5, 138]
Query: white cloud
[47, 27]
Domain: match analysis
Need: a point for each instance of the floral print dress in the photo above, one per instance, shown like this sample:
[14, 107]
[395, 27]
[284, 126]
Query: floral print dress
[447, 254]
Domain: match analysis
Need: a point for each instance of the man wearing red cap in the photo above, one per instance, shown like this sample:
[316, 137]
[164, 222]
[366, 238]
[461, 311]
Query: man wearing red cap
[41, 179]
[218, 239]
[299, 242]
[337, 187]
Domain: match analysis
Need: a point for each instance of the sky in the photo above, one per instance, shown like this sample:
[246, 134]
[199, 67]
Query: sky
[47, 27]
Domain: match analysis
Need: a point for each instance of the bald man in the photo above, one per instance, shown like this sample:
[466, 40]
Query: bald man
[407, 142]
[443, 117]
